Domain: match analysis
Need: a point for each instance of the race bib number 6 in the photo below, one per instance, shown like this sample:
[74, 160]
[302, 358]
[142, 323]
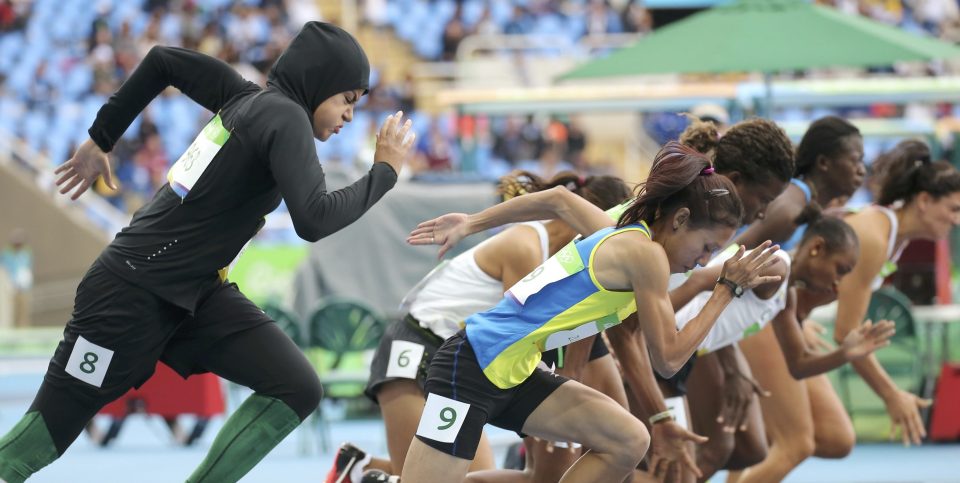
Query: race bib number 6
[405, 359]
[442, 418]
[89, 362]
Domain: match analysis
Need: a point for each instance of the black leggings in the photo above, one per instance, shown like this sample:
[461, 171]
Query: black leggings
[228, 336]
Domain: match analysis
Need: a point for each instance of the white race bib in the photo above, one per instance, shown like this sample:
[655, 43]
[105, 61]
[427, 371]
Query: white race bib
[405, 359]
[186, 171]
[442, 418]
[89, 362]
[678, 410]
[563, 264]
[565, 337]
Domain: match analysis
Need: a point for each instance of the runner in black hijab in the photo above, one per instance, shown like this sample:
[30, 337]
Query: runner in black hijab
[159, 290]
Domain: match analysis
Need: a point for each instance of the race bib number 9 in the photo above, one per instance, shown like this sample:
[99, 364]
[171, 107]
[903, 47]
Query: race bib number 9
[186, 171]
[442, 418]
[405, 359]
[89, 362]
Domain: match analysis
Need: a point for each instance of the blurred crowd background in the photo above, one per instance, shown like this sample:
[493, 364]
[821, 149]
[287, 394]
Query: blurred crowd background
[55, 73]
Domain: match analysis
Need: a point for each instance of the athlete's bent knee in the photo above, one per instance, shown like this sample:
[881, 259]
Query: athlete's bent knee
[303, 394]
[838, 446]
[631, 444]
[797, 449]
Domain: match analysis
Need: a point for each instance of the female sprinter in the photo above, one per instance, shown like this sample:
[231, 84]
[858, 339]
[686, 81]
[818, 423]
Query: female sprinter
[473, 281]
[918, 199]
[829, 167]
[489, 371]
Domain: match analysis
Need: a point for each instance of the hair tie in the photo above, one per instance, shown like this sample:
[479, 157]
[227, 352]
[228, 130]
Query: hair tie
[918, 163]
[581, 182]
[707, 171]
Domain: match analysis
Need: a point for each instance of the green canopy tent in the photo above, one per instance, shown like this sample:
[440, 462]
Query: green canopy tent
[765, 36]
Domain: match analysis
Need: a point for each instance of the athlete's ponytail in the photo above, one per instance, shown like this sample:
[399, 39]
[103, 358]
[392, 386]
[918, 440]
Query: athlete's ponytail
[683, 177]
[603, 191]
[907, 170]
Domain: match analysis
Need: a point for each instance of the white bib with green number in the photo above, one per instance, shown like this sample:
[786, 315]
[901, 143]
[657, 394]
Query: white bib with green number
[442, 418]
[185, 173]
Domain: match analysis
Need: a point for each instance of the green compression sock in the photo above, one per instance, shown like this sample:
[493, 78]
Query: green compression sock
[259, 424]
[26, 448]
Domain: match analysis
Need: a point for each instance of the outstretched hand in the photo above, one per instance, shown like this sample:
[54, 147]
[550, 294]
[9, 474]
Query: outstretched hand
[446, 231]
[83, 169]
[867, 338]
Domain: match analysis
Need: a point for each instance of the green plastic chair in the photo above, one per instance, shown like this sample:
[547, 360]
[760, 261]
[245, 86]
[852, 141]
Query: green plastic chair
[902, 359]
[288, 322]
[341, 328]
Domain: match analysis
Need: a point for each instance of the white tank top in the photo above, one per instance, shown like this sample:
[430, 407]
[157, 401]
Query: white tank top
[443, 299]
[893, 251]
[743, 316]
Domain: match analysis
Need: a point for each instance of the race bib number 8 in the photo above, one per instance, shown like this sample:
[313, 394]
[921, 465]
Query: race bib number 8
[442, 418]
[405, 359]
[89, 362]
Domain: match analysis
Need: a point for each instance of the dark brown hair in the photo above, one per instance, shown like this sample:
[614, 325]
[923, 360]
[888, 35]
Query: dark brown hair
[908, 170]
[603, 191]
[683, 177]
[757, 148]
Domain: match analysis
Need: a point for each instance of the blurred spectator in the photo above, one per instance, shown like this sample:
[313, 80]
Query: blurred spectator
[13, 15]
[519, 23]
[453, 34]
[602, 19]
[434, 151]
[636, 18]
[17, 260]
[152, 158]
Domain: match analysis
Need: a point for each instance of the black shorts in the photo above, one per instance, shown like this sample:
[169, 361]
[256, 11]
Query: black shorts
[461, 400]
[597, 350]
[392, 361]
[118, 332]
[678, 383]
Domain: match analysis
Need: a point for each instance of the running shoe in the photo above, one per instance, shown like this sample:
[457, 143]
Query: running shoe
[348, 465]
[377, 476]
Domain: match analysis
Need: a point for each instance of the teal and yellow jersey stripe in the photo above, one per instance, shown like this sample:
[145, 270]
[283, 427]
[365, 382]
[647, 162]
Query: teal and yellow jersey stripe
[558, 303]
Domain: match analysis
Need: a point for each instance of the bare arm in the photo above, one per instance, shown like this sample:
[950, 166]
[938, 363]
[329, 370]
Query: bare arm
[628, 344]
[853, 298]
[557, 202]
[802, 362]
[777, 225]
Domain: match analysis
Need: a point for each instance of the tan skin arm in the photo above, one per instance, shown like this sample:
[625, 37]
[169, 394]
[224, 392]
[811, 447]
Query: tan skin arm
[853, 295]
[668, 437]
[559, 202]
[852, 302]
[648, 276]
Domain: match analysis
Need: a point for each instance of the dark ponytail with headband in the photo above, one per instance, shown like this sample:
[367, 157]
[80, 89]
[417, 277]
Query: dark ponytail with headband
[603, 191]
[684, 177]
[908, 170]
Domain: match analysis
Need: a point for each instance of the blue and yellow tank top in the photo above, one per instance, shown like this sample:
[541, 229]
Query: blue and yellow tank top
[557, 304]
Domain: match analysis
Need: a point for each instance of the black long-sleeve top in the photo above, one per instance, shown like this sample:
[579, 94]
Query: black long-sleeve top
[175, 246]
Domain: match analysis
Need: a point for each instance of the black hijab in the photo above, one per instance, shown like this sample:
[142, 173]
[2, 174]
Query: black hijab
[321, 61]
